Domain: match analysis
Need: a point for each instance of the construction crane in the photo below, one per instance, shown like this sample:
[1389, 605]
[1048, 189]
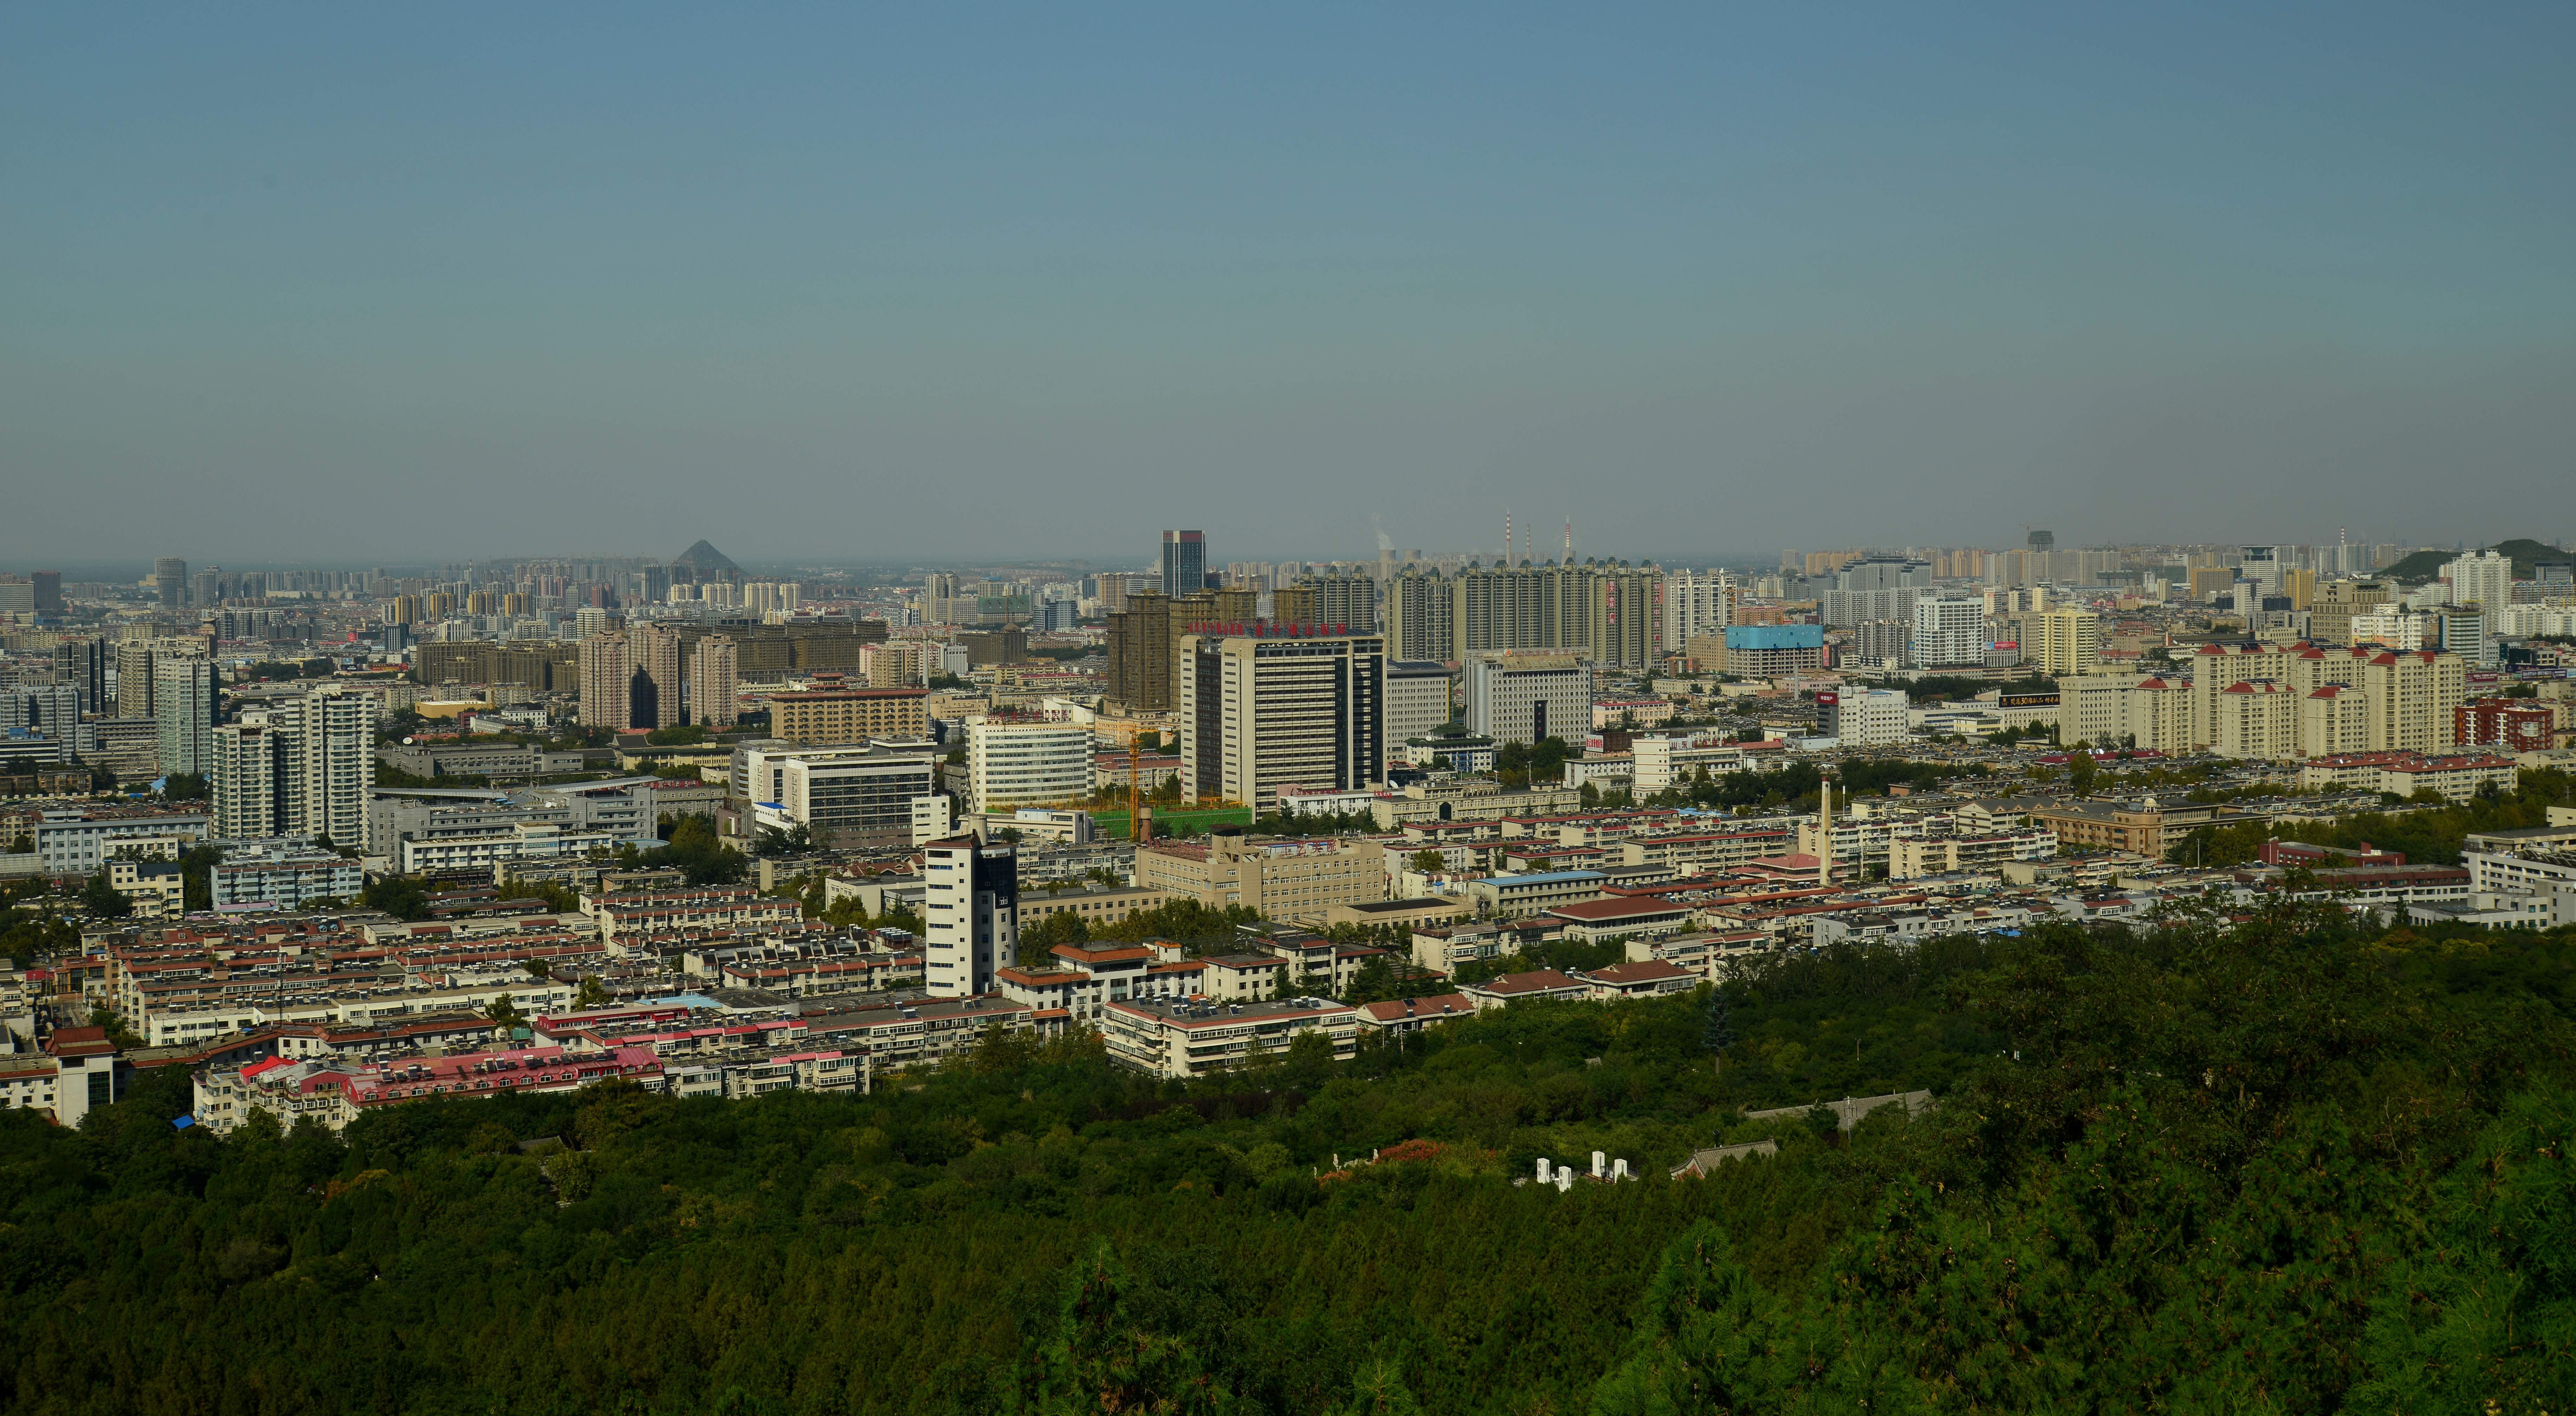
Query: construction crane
[1140, 827]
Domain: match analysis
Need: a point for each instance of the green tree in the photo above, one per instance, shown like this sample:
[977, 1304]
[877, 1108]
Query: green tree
[1429, 862]
[1102, 1357]
[405, 897]
[103, 899]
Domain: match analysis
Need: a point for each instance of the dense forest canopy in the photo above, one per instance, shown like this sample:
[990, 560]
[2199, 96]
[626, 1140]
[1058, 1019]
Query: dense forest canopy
[2259, 1165]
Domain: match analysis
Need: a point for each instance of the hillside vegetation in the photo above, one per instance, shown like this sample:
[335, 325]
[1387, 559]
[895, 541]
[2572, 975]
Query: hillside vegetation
[2261, 1165]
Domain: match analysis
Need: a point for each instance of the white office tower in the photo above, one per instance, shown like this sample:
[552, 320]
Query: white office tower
[2484, 578]
[1949, 634]
[1022, 761]
[1280, 706]
[299, 767]
[184, 702]
[971, 898]
[1513, 697]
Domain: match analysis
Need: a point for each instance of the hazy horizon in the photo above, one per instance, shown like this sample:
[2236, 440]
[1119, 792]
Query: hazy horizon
[978, 286]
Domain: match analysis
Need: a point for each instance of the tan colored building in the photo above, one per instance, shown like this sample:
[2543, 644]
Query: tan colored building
[657, 652]
[1096, 907]
[714, 686]
[605, 675]
[831, 713]
[1412, 914]
[1297, 881]
[2257, 719]
[2060, 643]
[2143, 827]
[1145, 644]
[2337, 602]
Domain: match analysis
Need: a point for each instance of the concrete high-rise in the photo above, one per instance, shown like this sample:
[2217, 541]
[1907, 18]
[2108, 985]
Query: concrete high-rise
[1144, 644]
[184, 706]
[971, 892]
[714, 682]
[1277, 706]
[1184, 563]
[170, 583]
[605, 675]
[2483, 578]
[655, 653]
[1949, 633]
[1528, 696]
[83, 662]
[2062, 643]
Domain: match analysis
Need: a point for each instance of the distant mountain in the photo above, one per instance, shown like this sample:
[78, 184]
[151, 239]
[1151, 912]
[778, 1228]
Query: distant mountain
[2425, 566]
[707, 561]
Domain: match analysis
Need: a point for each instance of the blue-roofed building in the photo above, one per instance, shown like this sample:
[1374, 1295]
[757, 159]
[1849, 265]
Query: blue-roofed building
[1773, 650]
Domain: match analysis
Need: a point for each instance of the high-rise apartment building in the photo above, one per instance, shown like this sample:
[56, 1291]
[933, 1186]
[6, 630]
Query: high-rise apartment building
[654, 653]
[1184, 563]
[184, 705]
[52, 709]
[1013, 762]
[971, 900]
[2062, 642]
[1346, 601]
[170, 583]
[1949, 633]
[1608, 612]
[2481, 578]
[82, 662]
[1275, 706]
[606, 674]
[300, 766]
[1697, 603]
[1528, 697]
[1144, 646]
[714, 684]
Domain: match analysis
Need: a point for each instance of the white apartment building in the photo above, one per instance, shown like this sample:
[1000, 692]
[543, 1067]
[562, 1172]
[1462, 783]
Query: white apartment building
[2394, 628]
[1865, 717]
[1528, 697]
[1697, 603]
[1285, 707]
[1013, 762]
[301, 766]
[2481, 578]
[971, 912]
[283, 875]
[1949, 633]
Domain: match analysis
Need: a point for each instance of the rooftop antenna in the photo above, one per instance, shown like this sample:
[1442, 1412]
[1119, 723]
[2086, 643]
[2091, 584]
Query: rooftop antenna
[1507, 535]
[1569, 540]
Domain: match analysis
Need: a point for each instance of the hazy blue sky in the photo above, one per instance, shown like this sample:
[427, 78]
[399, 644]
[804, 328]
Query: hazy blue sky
[373, 282]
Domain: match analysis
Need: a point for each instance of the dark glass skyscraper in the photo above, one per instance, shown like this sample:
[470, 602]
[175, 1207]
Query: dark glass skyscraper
[1184, 562]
